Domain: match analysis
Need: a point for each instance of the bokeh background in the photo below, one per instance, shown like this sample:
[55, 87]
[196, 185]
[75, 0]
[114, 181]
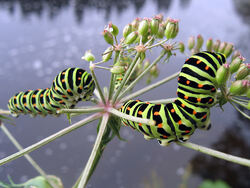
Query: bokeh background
[39, 38]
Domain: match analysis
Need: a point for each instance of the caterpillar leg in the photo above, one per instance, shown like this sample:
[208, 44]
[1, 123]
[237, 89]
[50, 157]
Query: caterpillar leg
[164, 142]
[146, 137]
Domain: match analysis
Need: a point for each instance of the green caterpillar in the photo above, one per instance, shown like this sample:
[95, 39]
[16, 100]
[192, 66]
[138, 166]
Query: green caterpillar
[178, 120]
[69, 86]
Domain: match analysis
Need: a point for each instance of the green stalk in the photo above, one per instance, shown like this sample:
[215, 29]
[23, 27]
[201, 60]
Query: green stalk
[242, 113]
[49, 139]
[111, 85]
[81, 110]
[27, 156]
[142, 74]
[97, 85]
[126, 77]
[157, 44]
[87, 169]
[131, 118]
[5, 112]
[214, 153]
[150, 87]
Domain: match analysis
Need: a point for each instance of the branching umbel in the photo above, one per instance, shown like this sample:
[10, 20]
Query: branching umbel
[129, 66]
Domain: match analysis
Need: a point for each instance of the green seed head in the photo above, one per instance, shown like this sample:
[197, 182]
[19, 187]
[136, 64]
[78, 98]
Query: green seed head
[229, 49]
[117, 69]
[135, 24]
[143, 27]
[127, 30]
[172, 29]
[88, 56]
[209, 44]
[222, 47]
[236, 54]
[191, 42]
[242, 72]
[181, 47]
[113, 29]
[216, 45]
[222, 74]
[238, 87]
[107, 54]
[108, 37]
[235, 65]
[154, 26]
[160, 33]
[199, 43]
[131, 37]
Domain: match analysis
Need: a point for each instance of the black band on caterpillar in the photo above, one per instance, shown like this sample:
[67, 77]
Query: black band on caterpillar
[178, 120]
[69, 86]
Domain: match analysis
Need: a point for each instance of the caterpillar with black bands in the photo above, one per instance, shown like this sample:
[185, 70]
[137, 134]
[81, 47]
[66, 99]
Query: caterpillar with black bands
[178, 120]
[69, 86]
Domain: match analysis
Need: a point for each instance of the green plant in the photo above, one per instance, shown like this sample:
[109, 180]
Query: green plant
[129, 66]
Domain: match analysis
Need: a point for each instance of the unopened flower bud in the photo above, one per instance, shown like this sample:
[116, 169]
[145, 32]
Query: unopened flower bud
[108, 37]
[191, 42]
[146, 64]
[160, 33]
[127, 30]
[154, 71]
[143, 27]
[107, 54]
[88, 56]
[222, 74]
[172, 29]
[159, 17]
[131, 37]
[181, 47]
[114, 29]
[209, 44]
[238, 87]
[222, 47]
[235, 65]
[216, 45]
[199, 42]
[242, 72]
[228, 50]
[117, 69]
[235, 54]
[154, 26]
[135, 24]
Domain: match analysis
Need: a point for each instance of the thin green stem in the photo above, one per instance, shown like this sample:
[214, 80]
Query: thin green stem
[243, 104]
[49, 139]
[111, 85]
[97, 85]
[126, 77]
[242, 113]
[27, 156]
[157, 44]
[142, 74]
[239, 99]
[81, 110]
[150, 87]
[85, 174]
[5, 112]
[131, 118]
[214, 153]
[163, 101]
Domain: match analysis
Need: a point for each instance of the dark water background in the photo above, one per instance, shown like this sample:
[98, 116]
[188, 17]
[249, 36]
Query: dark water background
[40, 38]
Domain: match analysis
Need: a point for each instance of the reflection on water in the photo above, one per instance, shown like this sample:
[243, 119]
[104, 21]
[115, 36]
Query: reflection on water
[235, 141]
[53, 7]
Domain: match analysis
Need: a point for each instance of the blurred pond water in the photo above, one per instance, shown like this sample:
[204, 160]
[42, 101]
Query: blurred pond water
[40, 38]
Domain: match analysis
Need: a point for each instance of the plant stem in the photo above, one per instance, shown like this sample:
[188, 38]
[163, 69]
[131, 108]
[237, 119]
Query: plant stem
[163, 101]
[27, 156]
[97, 86]
[85, 174]
[126, 76]
[152, 86]
[111, 85]
[242, 113]
[214, 153]
[142, 74]
[157, 44]
[131, 118]
[5, 112]
[49, 139]
[81, 110]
